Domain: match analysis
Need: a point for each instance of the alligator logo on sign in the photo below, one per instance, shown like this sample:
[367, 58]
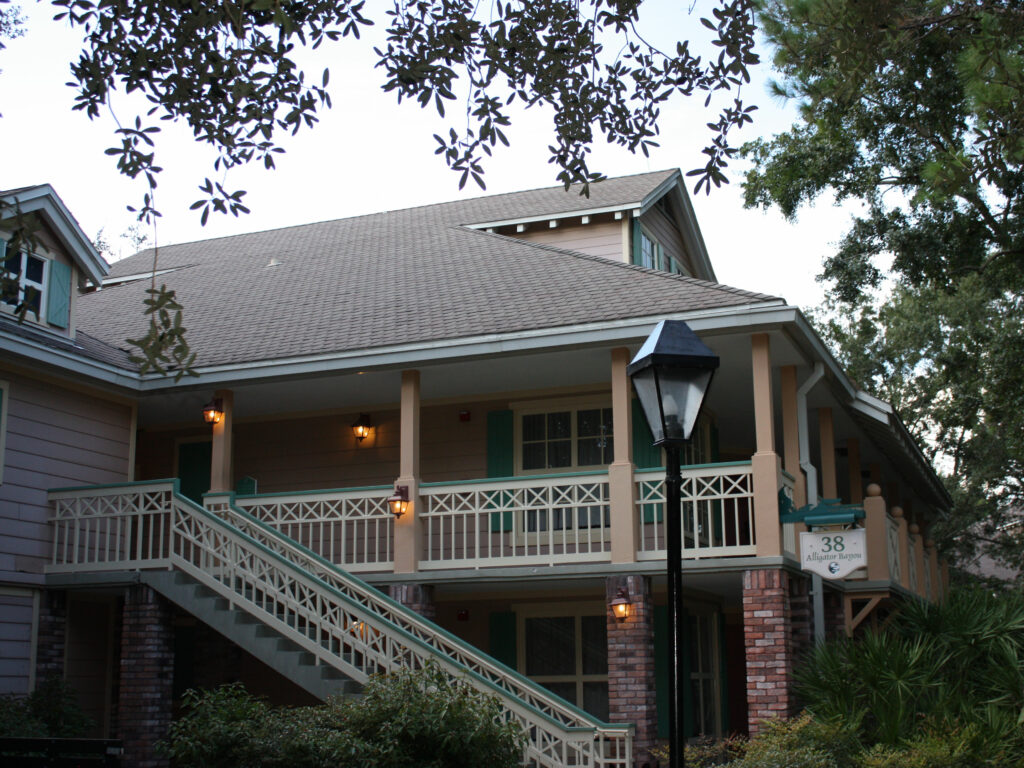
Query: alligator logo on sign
[833, 554]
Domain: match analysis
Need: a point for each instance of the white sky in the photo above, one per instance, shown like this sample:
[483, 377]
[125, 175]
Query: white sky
[369, 154]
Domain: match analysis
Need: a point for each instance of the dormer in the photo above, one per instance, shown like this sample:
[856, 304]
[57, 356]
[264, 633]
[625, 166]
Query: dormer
[647, 220]
[47, 263]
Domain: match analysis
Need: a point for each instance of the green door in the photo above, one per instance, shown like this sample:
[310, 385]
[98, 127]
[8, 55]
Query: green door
[194, 469]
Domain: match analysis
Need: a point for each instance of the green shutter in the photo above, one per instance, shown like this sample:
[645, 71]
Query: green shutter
[714, 444]
[58, 294]
[661, 668]
[635, 251]
[645, 456]
[723, 676]
[500, 459]
[689, 730]
[503, 637]
[3, 249]
[246, 486]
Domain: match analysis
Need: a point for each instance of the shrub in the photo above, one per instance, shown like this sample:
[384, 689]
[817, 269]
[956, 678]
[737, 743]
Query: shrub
[420, 719]
[800, 743]
[51, 710]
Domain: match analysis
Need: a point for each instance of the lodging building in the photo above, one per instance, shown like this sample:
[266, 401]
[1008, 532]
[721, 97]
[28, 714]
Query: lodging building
[473, 356]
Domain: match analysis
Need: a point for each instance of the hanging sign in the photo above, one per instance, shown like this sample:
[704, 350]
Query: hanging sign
[833, 554]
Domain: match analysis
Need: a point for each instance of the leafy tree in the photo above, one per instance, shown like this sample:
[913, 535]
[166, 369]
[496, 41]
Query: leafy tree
[228, 69]
[915, 108]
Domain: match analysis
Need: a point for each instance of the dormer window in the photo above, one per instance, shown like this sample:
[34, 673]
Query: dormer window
[25, 282]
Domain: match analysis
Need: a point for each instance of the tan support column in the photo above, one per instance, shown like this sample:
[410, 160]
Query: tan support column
[903, 547]
[828, 454]
[875, 524]
[765, 462]
[791, 434]
[220, 461]
[918, 545]
[407, 527]
[853, 461]
[620, 471]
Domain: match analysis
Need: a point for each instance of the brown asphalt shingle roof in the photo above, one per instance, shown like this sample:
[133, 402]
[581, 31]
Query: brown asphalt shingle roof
[399, 277]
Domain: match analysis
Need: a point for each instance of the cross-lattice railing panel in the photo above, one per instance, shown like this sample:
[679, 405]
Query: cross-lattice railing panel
[912, 565]
[344, 622]
[892, 548]
[352, 528]
[522, 521]
[717, 510]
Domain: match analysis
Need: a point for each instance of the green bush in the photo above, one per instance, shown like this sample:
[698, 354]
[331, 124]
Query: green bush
[418, 719]
[51, 710]
[800, 743]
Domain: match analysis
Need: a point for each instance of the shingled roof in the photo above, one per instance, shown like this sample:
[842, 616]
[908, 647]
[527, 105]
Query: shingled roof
[400, 277]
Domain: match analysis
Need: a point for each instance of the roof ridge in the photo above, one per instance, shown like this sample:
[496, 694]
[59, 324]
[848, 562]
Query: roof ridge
[622, 265]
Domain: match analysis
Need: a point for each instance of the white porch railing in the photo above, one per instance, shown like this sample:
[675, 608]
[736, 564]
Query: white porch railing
[341, 620]
[787, 483]
[892, 548]
[352, 528]
[718, 511]
[522, 521]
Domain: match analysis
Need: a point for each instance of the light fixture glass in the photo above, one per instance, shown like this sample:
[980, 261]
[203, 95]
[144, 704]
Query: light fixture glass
[622, 606]
[213, 411]
[399, 501]
[361, 427]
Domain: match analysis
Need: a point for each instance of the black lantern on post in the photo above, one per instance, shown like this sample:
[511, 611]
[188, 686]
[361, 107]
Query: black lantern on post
[671, 374]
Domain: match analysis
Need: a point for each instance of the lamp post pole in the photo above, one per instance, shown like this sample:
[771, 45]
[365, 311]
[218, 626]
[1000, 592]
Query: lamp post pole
[674, 553]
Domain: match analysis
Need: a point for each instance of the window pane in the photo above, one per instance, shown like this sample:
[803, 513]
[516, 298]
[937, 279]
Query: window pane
[590, 451]
[588, 423]
[551, 646]
[34, 271]
[566, 690]
[594, 630]
[560, 453]
[595, 700]
[609, 451]
[559, 425]
[32, 298]
[12, 264]
[533, 456]
[533, 426]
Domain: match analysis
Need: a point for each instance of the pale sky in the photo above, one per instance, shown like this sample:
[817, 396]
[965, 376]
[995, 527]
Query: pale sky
[369, 154]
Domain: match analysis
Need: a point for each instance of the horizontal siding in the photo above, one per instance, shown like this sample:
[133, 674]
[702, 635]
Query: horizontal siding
[666, 232]
[602, 239]
[15, 643]
[55, 437]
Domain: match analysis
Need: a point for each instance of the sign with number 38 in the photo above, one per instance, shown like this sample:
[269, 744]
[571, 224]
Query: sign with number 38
[833, 554]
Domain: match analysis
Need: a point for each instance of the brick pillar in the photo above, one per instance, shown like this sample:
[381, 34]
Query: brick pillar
[146, 676]
[50, 646]
[631, 696]
[835, 619]
[418, 597]
[801, 621]
[768, 638]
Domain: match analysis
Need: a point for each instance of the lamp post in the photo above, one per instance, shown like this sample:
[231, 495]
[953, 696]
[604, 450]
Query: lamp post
[671, 374]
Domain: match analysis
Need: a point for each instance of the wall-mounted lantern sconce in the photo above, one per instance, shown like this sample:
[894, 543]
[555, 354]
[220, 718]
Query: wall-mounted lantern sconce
[361, 427]
[399, 501]
[622, 606]
[213, 411]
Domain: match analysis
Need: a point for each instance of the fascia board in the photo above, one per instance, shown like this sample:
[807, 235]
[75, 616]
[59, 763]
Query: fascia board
[557, 216]
[68, 362]
[44, 200]
[633, 330]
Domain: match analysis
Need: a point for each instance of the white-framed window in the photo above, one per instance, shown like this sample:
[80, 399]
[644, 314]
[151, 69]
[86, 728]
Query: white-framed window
[705, 680]
[25, 281]
[564, 437]
[565, 649]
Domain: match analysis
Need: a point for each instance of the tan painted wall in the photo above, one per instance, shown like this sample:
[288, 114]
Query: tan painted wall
[602, 239]
[56, 436]
[659, 225]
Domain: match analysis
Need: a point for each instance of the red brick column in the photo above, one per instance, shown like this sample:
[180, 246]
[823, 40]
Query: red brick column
[53, 621]
[631, 696]
[768, 639]
[418, 597]
[146, 676]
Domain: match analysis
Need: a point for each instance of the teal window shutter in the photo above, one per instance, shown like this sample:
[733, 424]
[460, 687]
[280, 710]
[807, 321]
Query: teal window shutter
[645, 456]
[723, 675]
[636, 256]
[501, 460]
[503, 637]
[3, 249]
[661, 668]
[58, 295]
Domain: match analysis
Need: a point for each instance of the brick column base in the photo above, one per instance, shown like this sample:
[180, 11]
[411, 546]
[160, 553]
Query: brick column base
[146, 676]
[50, 645]
[418, 597]
[631, 696]
[768, 640]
